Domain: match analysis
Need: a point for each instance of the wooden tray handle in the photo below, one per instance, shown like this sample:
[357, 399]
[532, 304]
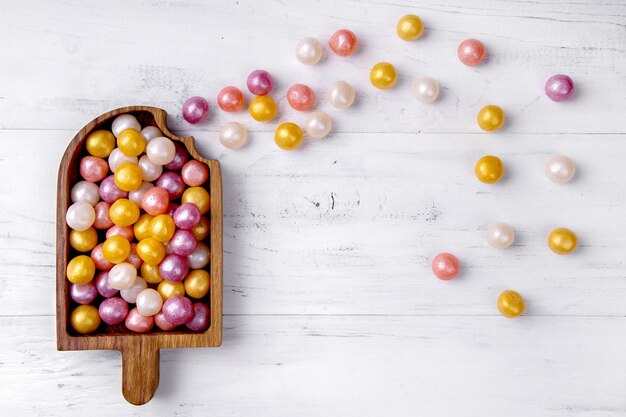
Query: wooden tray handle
[140, 370]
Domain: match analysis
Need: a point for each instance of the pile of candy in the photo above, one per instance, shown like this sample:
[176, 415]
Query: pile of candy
[141, 214]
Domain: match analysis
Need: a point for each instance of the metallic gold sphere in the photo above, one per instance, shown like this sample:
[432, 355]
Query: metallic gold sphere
[81, 269]
[511, 304]
[198, 196]
[562, 241]
[383, 75]
[84, 241]
[169, 289]
[151, 251]
[409, 27]
[490, 118]
[288, 136]
[100, 143]
[128, 176]
[131, 142]
[162, 227]
[124, 212]
[141, 228]
[489, 169]
[202, 229]
[116, 249]
[262, 108]
[85, 319]
[150, 273]
[197, 283]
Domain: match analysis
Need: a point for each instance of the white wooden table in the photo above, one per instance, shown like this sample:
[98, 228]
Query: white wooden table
[330, 305]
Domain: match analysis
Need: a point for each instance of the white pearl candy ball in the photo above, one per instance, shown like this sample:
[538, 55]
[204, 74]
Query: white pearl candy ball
[150, 170]
[309, 51]
[149, 302]
[118, 158]
[122, 276]
[500, 236]
[85, 191]
[161, 150]
[341, 95]
[200, 257]
[233, 135]
[136, 195]
[80, 216]
[560, 169]
[130, 294]
[151, 132]
[123, 122]
[426, 90]
[318, 125]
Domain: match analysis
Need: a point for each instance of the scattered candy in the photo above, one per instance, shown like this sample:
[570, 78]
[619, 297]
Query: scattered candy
[426, 90]
[490, 118]
[341, 95]
[559, 87]
[318, 125]
[562, 241]
[230, 99]
[500, 236]
[301, 97]
[260, 83]
[262, 109]
[471, 52]
[383, 75]
[511, 304]
[343, 42]
[195, 110]
[309, 51]
[489, 169]
[233, 135]
[288, 136]
[409, 27]
[446, 266]
[560, 169]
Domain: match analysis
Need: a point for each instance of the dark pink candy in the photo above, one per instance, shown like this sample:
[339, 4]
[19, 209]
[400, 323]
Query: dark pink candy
[201, 318]
[113, 310]
[83, 293]
[183, 243]
[180, 158]
[187, 216]
[173, 183]
[178, 310]
[260, 82]
[174, 268]
[102, 284]
[559, 87]
[109, 192]
[195, 110]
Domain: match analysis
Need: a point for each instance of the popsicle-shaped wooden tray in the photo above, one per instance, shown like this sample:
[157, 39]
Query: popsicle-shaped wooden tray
[140, 352]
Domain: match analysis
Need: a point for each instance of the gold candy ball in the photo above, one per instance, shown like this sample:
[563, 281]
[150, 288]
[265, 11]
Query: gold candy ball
[383, 75]
[511, 304]
[151, 273]
[84, 241]
[100, 143]
[151, 251]
[116, 249]
[169, 289]
[263, 108]
[409, 27]
[562, 241]
[197, 283]
[202, 229]
[490, 118]
[489, 169]
[124, 212]
[128, 176]
[198, 196]
[85, 319]
[141, 228]
[81, 269]
[131, 142]
[162, 227]
[288, 136]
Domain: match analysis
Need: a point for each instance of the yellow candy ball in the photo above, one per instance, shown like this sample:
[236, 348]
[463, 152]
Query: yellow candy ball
[409, 27]
[198, 196]
[124, 212]
[85, 319]
[81, 269]
[383, 75]
[151, 251]
[262, 108]
[288, 136]
[162, 227]
[128, 176]
[84, 241]
[562, 241]
[100, 143]
[202, 229]
[141, 228]
[151, 273]
[116, 249]
[169, 289]
[511, 304]
[490, 118]
[489, 169]
[197, 283]
[131, 142]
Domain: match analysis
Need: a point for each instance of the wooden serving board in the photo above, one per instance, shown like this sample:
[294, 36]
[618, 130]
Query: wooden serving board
[140, 352]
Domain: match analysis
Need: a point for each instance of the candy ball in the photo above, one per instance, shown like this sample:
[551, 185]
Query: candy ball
[151, 251]
[102, 220]
[133, 257]
[426, 90]
[181, 156]
[122, 276]
[155, 201]
[341, 94]
[100, 143]
[409, 27]
[489, 169]
[136, 195]
[202, 229]
[84, 241]
[230, 99]
[138, 323]
[150, 171]
[560, 169]
[288, 136]
[80, 270]
[93, 168]
[446, 266]
[559, 87]
[113, 310]
[301, 97]
[159, 320]
[162, 227]
[197, 283]
[151, 132]
[262, 108]
[510, 304]
[85, 319]
[141, 228]
[85, 191]
[83, 293]
[169, 289]
[259, 82]
[124, 212]
[318, 125]
[123, 122]
[174, 268]
[490, 118]
[99, 260]
[110, 192]
[126, 232]
[178, 310]
[383, 75]
[198, 196]
[151, 273]
[471, 52]
[131, 142]
[116, 249]
[130, 294]
[103, 287]
[80, 216]
[500, 235]
[117, 158]
[149, 302]
[128, 177]
[195, 110]
[195, 173]
[173, 183]
[183, 243]
[200, 256]
[233, 135]
[562, 241]
[200, 320]
[161, 151]
[309, 51]
[343, 42]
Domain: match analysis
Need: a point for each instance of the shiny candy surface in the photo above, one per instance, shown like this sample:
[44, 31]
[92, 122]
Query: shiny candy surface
[233, 135]
[103, 287]
[169, 289]
[128, 177]
[126, 232]
[100, 143]
[138, 323]
[197, 283]
[260, 82]
[471, 52]
[198, 196]
[136, 195]
[500, 235]
[151, 132]
[85, 191]
[309, 51]
[562, 241]
[151, 251]
[130, 294]
[161, 151]
[510, 304]
[155, 201]
[195, 173]
[123, 122]
[118, 157]
[149, 302]
[83, 241]
[560, 169]
[174, 268]
[178, 310]
[489, 169]
[200, 320]
[559, 87]
[446, 266]
[318, 125]
[200, 257]
[124, 212]
[102, 220]
[159, 320]
[99, 260]
[83, 293]
[80, 270]
[383, 75]
[195, 110]
[141, 228]
[230, 99]
[343, 42]
[133, 257]
[122, 276]
[301, 97]
[116, 249]
[409, 27]
[151, 273]
[173, 183]
[150, 170]
[131, 143]
[80, 216]
[426, 90]
[341, 94]
[490, 118]
[181, 156]
[113, 310]
[162, 227]
[85, 319]
[262, 108]
[93, 168]
[110, 192]
[183, 243]
[288, 136]
[202, 229]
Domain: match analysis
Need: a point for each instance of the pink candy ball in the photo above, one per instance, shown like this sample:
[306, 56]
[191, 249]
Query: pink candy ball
[195, 173]
[93, 169]
[446, 266]
[99, 260]
[162, 323]
[134, 258]
[471, 52]
[102, 221]
[173, 183]
[343, 42]
[195, 110]
[201, 318]
[174, 268]
[83, 293]
[113, 310]
[178, 310]
[181, 156]
[110, 192]
[230, 99]
[183, 243]
[171, 209]
[301, 97]
[187, 216]
[127, 232]
[155, 201]
[559, 87]
[103, 287]
[138, 323]
[260, 82]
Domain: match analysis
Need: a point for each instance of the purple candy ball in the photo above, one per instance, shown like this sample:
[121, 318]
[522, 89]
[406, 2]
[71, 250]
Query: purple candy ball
[187, 216]
[195, 110]
[102, 284]
[260, 82]
[559, 87]
[174, 268]
[113, 310]
[201, 318]
[183, 243]
[180, 158]
[173, 183]
[171, 209]
[110, 192]
[83, 293]
[178, 310]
